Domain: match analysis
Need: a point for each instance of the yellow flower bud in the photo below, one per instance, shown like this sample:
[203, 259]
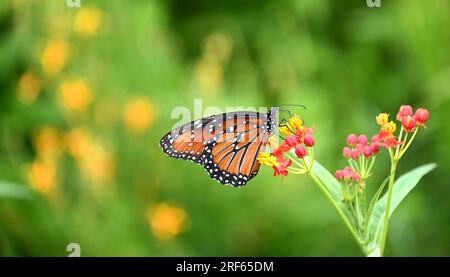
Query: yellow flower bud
[285, 130]
[296, 122]
[382, 119]
[267, 159]
[389, 127]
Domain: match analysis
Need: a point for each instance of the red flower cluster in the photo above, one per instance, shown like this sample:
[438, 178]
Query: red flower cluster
[283, 164]
[409, 119]
[347, 174]
[295, 141]
[297, 137]
[358, 146]
[359, 150]
[292, 141]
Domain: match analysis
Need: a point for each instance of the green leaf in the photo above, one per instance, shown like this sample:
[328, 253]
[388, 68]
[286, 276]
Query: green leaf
[374, 201]
[333, 186]
[401, 188]
[11, 190]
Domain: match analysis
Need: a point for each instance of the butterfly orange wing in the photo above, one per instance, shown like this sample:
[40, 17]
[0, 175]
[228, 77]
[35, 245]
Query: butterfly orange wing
[227, 145]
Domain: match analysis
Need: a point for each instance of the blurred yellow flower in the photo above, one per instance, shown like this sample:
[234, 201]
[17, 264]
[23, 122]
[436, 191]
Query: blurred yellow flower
[79, 143]
[218, 46]
[87, 21]
[54, 56]
[94, 161]
[42, 176]
[75, 95]
[99, 166]
[29, 88]
[47, 142]
[209, 75]
[209, 70]
[167, 221]
[139, 114]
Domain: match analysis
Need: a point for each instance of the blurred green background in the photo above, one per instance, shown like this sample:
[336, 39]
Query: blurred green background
[86, 93]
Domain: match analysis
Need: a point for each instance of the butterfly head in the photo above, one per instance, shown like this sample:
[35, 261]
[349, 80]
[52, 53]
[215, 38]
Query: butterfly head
[272, 118]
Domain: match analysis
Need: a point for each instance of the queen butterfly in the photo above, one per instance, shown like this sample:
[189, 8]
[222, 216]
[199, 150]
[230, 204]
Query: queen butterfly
[226, 145]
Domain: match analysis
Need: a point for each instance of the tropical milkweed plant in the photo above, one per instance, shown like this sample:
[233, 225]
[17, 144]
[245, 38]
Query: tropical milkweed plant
[367, 221]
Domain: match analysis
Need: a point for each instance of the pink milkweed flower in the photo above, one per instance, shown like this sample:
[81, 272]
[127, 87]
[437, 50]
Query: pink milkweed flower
[355, 154]
[355, 176]
[390, 141]
[347, 152]
[359, 147]
[421, 116]
[301, 133]
[374, 139]
[405, 110]
[375, 148]
[308, 141]
[284, 147]
[367, 151]
[300, 151]
[408, 123]
[347, 174]
[362, 139]
[291, 140]
[347, 171]
[339, 174]
[352, 140]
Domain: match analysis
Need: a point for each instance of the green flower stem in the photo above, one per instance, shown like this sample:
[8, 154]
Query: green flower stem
[311, 157]
[325, 191]
[294, 170]
[370, 167]
[352, 165]
[408, 145]
[388, 206]
[400, 139]
[301, 165]
[364, 165]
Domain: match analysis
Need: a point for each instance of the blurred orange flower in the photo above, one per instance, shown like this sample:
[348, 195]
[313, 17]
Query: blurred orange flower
[75, 95]
[166, 221]
[42, 176]
[99, 166]
[87, 21]
[78, 143]
[95, 162]
[54, 56]
[47, 142]
[139, 114]
[29, 88]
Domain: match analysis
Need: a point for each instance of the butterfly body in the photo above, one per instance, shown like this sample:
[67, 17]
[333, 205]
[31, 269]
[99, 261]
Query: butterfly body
[226, 145]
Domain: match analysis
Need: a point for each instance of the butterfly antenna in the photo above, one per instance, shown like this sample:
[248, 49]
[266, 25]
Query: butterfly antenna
[293, 105]
[286, 111]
